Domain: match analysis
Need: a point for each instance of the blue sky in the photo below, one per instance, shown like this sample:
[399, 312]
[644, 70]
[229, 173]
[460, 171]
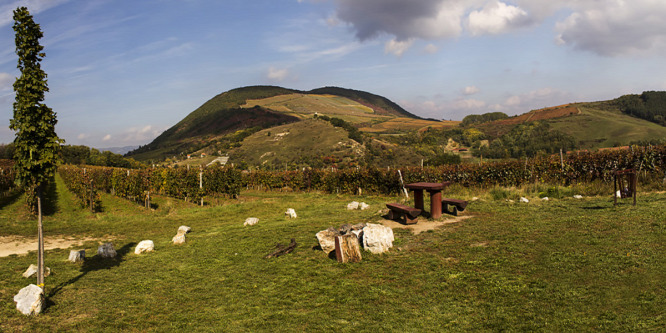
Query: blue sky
[120, 72]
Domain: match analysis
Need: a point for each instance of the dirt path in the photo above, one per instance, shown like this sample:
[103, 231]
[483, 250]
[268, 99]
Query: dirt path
[22, 245]
[423, 225]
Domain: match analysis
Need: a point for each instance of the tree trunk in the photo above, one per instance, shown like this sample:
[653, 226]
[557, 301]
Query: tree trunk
[40, 241]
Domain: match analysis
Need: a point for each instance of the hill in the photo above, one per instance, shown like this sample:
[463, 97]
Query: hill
[215, 125]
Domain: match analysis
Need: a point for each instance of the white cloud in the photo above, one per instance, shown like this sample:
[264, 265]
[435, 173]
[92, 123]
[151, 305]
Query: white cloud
[6, 81]
[468, 104]
[106, 137]
[616, 28]
[34, 6]
[276, 74]
[470, 90]
[397, 48]
[496, 18]
[83, 136]
[431, 49]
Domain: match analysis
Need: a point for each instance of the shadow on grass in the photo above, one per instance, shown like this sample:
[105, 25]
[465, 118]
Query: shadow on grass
[95, 263]
[50, 195]
[9, 198]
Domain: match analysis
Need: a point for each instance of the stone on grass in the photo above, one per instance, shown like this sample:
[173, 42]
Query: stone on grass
[475, 199]
[180, 235]
[545, 199]
[364, 206]
[32, 271]
[144, 246]
[352, 205]
[30, 300]
[578, 196]
[291, 213]
[77, 255]
[251, 221]
[106, 250]
[523, 199]
[326, 239]
[347, 248]
[377, 238]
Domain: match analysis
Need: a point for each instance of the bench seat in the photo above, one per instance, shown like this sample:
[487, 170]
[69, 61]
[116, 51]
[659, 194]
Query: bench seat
[458, 205]
[397, 211]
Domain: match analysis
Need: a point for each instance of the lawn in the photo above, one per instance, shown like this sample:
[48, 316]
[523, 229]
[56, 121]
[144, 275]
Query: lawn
[558, 265]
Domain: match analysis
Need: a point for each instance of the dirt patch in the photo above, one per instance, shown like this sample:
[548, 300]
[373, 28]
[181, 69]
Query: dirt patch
[22, 245]
[422, 226]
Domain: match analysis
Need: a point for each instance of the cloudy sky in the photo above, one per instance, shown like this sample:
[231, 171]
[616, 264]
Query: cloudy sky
[122, 71]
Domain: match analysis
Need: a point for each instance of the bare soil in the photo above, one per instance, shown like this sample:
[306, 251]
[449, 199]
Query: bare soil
[22, 245]
[423, 225]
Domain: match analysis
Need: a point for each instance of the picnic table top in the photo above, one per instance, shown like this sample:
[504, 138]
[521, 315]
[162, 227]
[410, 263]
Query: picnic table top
[428, 186]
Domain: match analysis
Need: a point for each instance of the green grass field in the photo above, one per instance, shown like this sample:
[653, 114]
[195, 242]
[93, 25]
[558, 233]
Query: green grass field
[558, 265]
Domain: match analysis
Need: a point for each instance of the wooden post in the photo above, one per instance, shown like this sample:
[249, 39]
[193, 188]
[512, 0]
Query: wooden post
[403, 185]
[201, 186]
[40, 242]
[91, 197]
[347, 248]
[561, 159]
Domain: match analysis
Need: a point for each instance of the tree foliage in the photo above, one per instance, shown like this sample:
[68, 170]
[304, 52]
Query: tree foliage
[473, 119]
[650, 105]
[36, 143]
[528, 139]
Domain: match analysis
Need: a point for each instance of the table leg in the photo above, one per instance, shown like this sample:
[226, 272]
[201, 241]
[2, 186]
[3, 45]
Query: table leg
[435, 204]
[418, 199]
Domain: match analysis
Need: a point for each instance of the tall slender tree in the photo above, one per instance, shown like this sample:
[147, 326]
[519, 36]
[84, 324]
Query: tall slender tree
[36, 143]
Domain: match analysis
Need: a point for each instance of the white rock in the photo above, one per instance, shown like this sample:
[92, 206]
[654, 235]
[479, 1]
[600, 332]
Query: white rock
[578, 196]
[291, 213]
[178, 239]
[32, 270]
[183, 229]
[523, 199]
[326, 240]
[30, 300]
[364, 206]
[77, 255]
[618, 194]
[106, 250]
[144, 246]
[545, 199]
[352, 205]
[251, 221]
[475, 199]
[377, 238]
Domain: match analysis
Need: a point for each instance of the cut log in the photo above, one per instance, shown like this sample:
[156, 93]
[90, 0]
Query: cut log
[347, 248]
[282, 249]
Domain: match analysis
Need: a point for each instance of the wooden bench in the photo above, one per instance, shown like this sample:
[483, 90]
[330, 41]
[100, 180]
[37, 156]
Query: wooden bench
[458, 205]
[397, 211]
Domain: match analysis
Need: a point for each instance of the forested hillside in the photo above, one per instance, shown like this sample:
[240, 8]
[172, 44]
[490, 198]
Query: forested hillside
[650, 105]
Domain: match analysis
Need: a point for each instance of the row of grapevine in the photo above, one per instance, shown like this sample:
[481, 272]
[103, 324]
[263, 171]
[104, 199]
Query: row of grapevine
[181, 183]
[572, 168]
[81, 185]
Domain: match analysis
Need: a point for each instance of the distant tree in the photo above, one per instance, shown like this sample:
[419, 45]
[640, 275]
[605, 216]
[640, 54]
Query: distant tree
[36, 143]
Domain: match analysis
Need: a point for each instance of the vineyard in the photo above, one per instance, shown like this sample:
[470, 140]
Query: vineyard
[195, 184]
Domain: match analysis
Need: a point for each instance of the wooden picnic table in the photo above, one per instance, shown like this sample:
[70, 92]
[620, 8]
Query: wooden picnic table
[435, 190]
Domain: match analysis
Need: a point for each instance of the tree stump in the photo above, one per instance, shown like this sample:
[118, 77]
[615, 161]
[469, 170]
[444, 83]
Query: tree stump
[347, 248]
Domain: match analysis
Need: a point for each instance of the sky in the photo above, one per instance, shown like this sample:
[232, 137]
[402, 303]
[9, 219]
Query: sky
[120, 72]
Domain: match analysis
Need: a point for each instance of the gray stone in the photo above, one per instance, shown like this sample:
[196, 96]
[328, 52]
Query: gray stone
[106, 250]
[77, 255]
[251, 221]
[30, 300]
[144, 246]
[377, 238]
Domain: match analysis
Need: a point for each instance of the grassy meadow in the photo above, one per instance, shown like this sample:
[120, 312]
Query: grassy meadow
[560, 265]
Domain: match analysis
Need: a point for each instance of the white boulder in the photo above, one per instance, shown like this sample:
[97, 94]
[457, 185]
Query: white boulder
[290, 213]
[578, 196]
[77, 255]
[352, 205]
[30, 300]
[106, 250]
[545, 199]
[363, 206]
[180, 235]
[377, 238]
[144, 246]
[524, 200]
[326, 239]
[251, 221]
[32, 270]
